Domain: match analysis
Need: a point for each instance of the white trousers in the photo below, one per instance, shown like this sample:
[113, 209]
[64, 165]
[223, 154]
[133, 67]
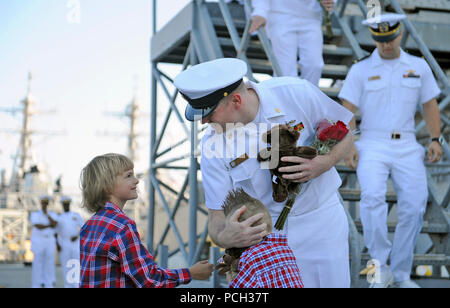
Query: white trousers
[43, 267]
[291, 37]
[319, 240]
[403, 161]
[70, 253]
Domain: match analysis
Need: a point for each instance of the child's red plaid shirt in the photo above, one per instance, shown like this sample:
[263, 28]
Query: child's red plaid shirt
[269, 264]
[112, 255]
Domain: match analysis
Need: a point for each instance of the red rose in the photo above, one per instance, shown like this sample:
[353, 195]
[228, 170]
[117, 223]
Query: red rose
[334, 134]
[326, 130]
[323, 130]
[325, 134]
[342, 130]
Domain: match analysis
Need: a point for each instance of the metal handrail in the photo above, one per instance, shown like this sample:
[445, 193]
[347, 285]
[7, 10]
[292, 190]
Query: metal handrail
[240, 46]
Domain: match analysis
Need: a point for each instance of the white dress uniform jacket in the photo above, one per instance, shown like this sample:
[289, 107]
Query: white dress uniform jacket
[69, 224]
[294, 27]
[387, 93]
[317, 226]
[43, 245]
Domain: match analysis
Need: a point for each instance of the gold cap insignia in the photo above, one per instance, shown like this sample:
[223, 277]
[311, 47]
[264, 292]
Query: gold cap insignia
[383, 27]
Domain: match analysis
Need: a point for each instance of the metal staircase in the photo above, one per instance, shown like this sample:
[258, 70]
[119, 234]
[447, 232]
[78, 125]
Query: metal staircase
[204, 31]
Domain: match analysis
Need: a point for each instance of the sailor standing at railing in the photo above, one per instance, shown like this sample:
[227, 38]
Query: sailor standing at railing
[295, 30]
[387, 87]
[43, 245]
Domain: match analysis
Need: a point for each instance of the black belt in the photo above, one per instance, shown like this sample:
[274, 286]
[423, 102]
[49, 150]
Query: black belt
[395, 136]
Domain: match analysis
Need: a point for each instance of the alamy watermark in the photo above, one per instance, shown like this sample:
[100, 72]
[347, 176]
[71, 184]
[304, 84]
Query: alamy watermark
[73, 273]
[374, 10]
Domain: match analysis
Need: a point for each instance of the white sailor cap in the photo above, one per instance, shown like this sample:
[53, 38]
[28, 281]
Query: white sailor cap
[204, 85]
[384, 28]
[65, 199]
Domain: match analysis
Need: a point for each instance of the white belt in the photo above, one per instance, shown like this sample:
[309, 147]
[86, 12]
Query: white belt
[388, 135]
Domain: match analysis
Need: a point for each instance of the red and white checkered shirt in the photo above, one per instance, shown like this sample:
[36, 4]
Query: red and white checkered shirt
[112, 255]
[269, 264]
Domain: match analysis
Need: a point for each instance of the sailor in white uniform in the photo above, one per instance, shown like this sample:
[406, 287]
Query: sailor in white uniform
[295, 30]
[43, 245]
[387, 88]
[317, 227]
[68, 235]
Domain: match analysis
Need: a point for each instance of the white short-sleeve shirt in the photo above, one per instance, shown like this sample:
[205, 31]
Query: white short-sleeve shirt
[387, 95]
[282, 100]
[39, 218]
[69, 224]
[306, 9]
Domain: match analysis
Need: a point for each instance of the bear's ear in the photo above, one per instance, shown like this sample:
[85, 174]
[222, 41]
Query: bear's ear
[293, 133]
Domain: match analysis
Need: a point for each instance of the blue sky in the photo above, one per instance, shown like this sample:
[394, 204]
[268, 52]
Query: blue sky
[81, 70]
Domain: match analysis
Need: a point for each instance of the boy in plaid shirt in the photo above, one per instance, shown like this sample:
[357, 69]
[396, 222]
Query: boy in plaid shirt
[112, 255]
[269, 264]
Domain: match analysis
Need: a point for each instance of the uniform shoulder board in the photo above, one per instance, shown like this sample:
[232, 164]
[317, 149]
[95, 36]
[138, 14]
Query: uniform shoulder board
[361, 59]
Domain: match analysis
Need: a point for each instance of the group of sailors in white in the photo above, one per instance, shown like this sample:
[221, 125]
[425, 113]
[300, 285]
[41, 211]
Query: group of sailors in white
[55, 232]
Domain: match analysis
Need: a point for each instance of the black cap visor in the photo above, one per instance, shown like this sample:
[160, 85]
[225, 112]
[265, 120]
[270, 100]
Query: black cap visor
[204, 106]
[193, 114]
[385, 39]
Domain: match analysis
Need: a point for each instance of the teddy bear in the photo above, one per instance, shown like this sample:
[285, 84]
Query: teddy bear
[285, 145]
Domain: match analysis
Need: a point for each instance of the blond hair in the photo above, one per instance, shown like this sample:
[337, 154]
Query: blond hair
[237, 198]
[97, 179]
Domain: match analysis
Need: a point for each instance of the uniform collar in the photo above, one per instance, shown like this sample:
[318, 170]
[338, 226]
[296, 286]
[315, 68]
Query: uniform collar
[269, 111]
[377, 60]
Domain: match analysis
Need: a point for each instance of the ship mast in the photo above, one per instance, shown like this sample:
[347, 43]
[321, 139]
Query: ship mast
[25, 137]
[131, 113]
[24, 152]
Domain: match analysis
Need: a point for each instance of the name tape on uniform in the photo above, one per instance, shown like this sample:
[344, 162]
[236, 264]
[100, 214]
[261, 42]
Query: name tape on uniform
[239, 160]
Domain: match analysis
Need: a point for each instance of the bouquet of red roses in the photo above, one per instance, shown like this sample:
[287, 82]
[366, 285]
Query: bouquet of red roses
[328, 134]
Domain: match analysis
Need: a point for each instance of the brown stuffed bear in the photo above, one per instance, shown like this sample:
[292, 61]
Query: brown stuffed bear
[286, 145]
